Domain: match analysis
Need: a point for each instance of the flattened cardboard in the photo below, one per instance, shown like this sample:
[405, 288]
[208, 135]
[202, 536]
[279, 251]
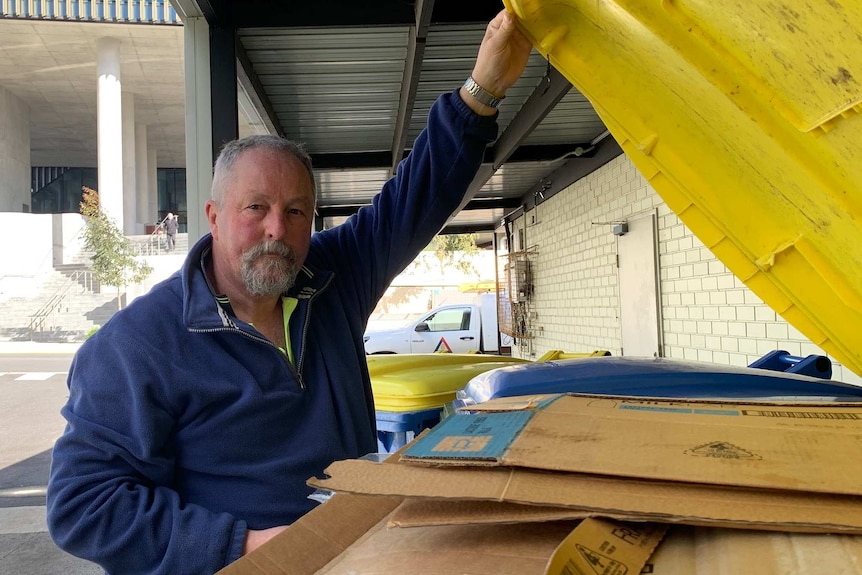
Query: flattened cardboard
[520, 549]
[523, 549]
[317, 538]
[696, 504]
[812, 447]
[436, 512]
[705, 551]
[607, 547]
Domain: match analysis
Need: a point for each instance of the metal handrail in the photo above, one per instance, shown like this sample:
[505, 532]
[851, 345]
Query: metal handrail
[132, 11]
[39, 319]
[145, 247]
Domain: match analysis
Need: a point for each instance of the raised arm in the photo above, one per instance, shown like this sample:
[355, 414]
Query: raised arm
[501, 60]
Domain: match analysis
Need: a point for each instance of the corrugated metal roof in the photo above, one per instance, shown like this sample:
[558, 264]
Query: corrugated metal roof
[339, 89]
[335, 90]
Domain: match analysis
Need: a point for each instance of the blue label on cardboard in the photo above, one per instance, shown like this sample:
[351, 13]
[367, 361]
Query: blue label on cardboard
[485, 436]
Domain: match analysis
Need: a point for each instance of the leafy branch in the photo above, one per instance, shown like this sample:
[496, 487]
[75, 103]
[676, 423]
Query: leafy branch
[114, 259]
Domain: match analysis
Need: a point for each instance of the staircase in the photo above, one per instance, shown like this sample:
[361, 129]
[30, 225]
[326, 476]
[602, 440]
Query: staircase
[78, 309]
[72, 294]
[155, 244]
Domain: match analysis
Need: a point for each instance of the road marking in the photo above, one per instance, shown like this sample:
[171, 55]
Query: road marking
[23, 520]
[37, 376]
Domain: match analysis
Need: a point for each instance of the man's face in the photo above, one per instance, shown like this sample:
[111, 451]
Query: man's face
[262, 230]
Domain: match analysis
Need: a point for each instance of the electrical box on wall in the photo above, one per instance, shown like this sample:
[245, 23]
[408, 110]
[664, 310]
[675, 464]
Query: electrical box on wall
[523, 284]
[621, 229]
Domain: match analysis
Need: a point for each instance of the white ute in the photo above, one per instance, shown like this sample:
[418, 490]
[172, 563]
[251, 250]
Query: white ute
[456, 328]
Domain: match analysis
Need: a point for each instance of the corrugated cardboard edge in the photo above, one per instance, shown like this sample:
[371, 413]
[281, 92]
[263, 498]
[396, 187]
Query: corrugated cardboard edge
[316, 538]
[806, 447]
[439, 512]
[669, 502]
[702, 551]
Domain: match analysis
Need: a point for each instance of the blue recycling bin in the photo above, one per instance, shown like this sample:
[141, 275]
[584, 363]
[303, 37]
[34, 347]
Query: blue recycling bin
[396, 429]
[652, 377]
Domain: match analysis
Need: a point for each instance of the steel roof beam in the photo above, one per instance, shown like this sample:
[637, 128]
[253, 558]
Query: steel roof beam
[380, 160]
[278, 13]
[247, 77]
[223, 87]
[546, 95]
[410, 82]
[567, 174]
[480, 204]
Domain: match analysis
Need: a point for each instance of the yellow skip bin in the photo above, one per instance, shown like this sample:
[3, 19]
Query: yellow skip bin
[746, 118]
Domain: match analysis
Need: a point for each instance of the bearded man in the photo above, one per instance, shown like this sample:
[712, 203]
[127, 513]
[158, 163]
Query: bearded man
[196, 415]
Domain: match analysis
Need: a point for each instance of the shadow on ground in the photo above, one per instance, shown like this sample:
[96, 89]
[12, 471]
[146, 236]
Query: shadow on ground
[26, 476]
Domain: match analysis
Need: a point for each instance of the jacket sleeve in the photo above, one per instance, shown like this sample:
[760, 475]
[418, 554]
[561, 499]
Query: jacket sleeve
[379, 241]
[107, 495]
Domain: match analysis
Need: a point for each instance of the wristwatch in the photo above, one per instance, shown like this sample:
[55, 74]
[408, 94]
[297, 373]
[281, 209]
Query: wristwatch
[481, 94]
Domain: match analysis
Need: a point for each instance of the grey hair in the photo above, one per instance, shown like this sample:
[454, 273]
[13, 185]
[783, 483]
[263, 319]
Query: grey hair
[231, 151]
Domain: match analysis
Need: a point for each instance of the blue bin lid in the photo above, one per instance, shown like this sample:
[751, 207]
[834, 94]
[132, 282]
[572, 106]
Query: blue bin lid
[652, 377]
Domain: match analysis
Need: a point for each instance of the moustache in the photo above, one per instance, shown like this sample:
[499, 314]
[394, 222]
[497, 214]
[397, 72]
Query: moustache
[272, 247]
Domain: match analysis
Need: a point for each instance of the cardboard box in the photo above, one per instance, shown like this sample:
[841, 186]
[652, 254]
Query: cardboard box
[813, 447]
[516, 549]
[316, 545]
[317, 538]
[703, 551]
[622, 498]
[349, 534]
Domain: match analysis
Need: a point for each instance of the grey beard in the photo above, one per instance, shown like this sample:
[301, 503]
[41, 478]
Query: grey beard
[269, 276]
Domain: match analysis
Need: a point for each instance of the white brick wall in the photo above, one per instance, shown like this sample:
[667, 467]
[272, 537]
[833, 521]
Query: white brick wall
[707, 313]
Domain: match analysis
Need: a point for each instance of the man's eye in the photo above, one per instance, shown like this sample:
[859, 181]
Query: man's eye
[255, 207]
[295, 212]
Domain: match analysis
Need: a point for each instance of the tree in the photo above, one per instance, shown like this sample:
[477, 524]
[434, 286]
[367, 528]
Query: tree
[114, 259]
[455, 250]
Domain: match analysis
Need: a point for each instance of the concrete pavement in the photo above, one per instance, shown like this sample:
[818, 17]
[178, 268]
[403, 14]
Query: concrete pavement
[32, 390]
[37, 347]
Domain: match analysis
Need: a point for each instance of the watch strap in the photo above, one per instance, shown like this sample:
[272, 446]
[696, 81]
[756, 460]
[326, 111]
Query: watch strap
[481, 94]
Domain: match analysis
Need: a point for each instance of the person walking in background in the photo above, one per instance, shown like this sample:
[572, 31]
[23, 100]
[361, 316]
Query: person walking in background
[197, 413]
[172, 224]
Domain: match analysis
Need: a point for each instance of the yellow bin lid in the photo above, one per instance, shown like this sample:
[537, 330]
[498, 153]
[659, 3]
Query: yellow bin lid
[745, 118]
[417, 381]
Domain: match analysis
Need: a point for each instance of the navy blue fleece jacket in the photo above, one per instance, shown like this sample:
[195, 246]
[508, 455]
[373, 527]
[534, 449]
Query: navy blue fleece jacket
[186, 427]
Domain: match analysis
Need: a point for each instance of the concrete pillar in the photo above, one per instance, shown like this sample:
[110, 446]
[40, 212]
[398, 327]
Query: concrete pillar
[109, 121]
[199, 156]
[130, 179]
[142, 179]
[14, 153]
[153, 189]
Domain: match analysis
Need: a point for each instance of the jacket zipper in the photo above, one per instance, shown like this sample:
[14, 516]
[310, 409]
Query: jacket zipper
[263, 340]
[305, 323]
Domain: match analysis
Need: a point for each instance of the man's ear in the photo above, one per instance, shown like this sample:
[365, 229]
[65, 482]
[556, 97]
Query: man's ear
[211, 211]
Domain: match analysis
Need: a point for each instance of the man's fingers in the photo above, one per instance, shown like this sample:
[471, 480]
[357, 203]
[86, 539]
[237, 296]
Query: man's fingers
[498, 20]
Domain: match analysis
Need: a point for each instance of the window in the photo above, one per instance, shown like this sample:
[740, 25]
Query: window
[450, 320]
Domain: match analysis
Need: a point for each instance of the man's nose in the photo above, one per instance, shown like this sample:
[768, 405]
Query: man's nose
[276, 225]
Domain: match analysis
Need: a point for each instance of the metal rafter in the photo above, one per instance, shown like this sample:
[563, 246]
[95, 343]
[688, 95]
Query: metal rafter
[410, 81]
[248, 79]
[278, 13]
[480, 204]
[573, 170]
[223, 88]
[546, 95]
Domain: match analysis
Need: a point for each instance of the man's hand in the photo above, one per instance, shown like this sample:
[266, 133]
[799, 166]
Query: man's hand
[502, 58]
[254, 538]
